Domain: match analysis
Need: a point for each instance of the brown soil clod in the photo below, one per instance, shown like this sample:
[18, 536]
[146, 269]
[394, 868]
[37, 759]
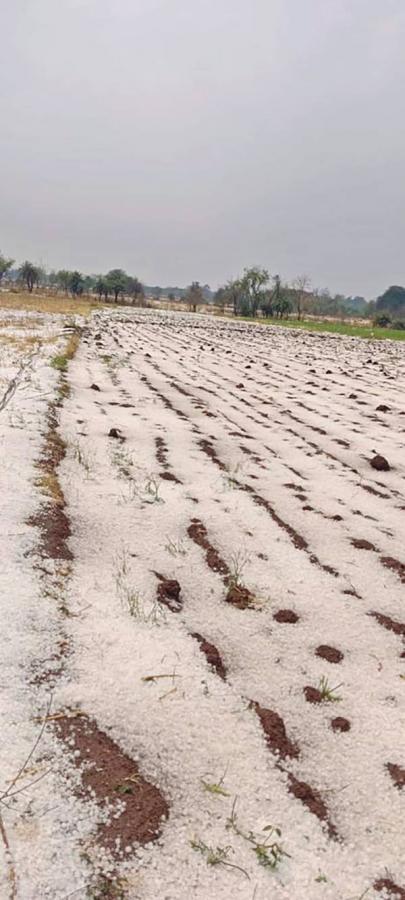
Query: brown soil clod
[116, 433]
[362, 544]
[387, 885]
[198, 533]
[331, 654]
[395, 565]
[237, 594]
[380, 463]
[208, 448]
[110, 775]
[213, 657]
[397, 774]
[287, 616]
[161, 451]
[55, 531]
[169, 476]
[388, 623]
[313, 801]
[339, 723]
[275, 731]
[168, 593]
[312, 695]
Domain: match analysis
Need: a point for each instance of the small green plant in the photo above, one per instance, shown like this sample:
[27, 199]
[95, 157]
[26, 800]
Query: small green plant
[146, 612]
[60, 363]
[151, 490]
[321, 878]
[124, 463]
[327, 692]
[216, 856]
[216, 787]
[109, 888]
[269, 852]
[238, 562]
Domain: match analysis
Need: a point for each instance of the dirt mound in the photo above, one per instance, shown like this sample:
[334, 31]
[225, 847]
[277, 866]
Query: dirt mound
[331, 654]
[313, 801]
[110, 775]
[168, 593]
[275, 731]
[287, 616]
[213, 657]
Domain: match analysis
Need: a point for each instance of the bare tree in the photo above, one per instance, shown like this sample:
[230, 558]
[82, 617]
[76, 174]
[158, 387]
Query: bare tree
[300, 285]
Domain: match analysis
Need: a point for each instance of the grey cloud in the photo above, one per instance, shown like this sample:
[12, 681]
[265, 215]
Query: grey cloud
[185, 139]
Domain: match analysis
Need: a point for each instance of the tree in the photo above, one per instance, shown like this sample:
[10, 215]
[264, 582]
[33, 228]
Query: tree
[280, 303]
[135, 288]
[5, 265]
[230, 294]
[29, 274]
[234, 295]
[101, 287]
[117, 281]
[88, 284]
[252, 288]
[76, 283]
[63, 279]
[392, 300]
[194, 296]
[300, 285]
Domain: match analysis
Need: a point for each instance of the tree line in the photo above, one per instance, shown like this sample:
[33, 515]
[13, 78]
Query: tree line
[114, 284]
[255, 292]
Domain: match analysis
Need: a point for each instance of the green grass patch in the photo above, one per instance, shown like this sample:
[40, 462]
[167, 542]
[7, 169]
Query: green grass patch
[60, 363]
[362, 331]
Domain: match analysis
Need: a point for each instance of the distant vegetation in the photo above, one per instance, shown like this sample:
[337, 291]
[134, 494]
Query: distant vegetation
[256, 293]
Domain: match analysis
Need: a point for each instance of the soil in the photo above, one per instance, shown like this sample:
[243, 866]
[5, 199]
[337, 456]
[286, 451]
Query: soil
[213, 657]
[313, 801]
[198, 533]
[380, 463]
[397, 774]
[395, 565]
[312, 695]
[389, 624]
[331, 654]
[340, 724]
[116, 433]
[54, 528]
[168, 593]
[240, 597]
[387, 885]
[361, 544]
[275, 731]
[287, 616]
[109, 775]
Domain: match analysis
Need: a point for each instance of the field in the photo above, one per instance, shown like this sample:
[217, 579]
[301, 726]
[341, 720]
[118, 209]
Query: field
[203, 668]
[372, 332]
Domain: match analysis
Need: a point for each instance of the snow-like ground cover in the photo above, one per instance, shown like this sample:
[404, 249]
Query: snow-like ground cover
[262, 437]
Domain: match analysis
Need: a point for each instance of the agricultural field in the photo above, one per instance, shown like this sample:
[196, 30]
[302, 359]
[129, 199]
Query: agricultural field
[203, 582]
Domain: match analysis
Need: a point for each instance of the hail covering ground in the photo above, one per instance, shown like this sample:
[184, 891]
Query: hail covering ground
[264, 436]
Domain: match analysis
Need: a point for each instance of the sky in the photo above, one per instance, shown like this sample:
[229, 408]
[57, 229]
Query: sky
[186, 139]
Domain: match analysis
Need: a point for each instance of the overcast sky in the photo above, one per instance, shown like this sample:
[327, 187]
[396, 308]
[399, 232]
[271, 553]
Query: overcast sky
[186, 139]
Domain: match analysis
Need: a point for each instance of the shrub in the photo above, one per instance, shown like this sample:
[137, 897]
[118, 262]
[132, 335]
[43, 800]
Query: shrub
[382, 320]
